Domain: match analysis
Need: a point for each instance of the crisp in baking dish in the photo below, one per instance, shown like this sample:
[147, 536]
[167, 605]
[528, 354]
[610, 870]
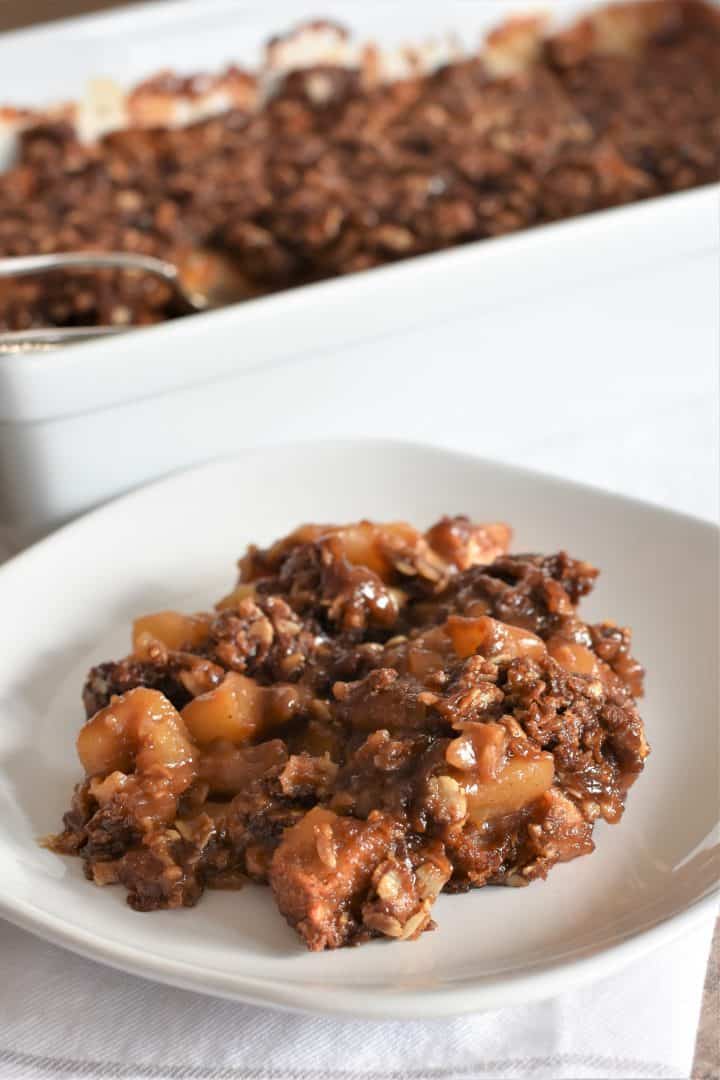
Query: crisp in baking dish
[335, 156]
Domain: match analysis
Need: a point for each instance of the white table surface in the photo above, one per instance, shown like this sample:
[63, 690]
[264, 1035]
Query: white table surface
[614, 386]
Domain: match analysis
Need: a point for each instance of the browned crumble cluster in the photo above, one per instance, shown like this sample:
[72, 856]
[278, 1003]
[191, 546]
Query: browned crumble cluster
[372, 716]
[340, 171]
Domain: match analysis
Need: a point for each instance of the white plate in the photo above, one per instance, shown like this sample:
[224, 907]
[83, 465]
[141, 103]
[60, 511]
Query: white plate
[68, 601]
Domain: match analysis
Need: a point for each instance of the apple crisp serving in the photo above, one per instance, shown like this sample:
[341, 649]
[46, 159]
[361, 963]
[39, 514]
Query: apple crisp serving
[374, 715]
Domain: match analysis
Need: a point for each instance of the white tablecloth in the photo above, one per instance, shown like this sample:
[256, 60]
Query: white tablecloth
[67, 1017]
[616, 387]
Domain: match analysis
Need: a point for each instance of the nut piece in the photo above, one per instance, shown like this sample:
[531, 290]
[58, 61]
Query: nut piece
[480, 748]
[389, 886]
[446, 800]
[416, 923]
[325, 845]
[430, 880]
[105, 873]
[384, 924]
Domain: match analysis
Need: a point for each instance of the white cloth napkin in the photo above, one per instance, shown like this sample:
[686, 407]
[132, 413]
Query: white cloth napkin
[61, 1016]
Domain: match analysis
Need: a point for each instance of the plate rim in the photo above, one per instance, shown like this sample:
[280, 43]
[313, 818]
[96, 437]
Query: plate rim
[485, 992]
[140, 491]
[489, 993]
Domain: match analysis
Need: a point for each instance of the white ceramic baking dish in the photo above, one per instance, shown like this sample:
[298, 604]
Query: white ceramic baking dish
[82, 424]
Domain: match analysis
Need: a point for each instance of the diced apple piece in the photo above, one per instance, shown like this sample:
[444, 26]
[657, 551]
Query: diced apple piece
[171, 629]
[489, 637]
[239, 710]
[577, 659]
[515, 44]
[463, 543]
[139, 730]
[360, 543]
[519, 782]
[230, 769]
[363, 543]
[422, 655]
[470, 635]
[235, 598]
[233, 711]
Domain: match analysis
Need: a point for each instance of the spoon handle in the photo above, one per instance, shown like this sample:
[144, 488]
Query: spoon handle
[21, 265]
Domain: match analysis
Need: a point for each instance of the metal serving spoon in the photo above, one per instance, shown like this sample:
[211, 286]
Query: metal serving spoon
[191, 297]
